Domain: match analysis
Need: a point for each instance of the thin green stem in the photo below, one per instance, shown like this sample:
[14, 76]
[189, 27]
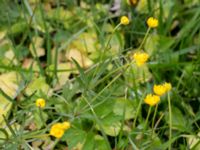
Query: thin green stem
[144, 39]
[149, 112]
[170, 120]
[154, 117]
[137, 113]
[47, 36]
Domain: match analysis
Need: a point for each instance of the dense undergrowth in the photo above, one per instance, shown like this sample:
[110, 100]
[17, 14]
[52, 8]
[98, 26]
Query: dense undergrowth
[75, 75]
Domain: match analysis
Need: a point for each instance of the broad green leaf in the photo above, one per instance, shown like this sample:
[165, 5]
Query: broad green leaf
[63, 71]
[37, 85]
[179, 122]
[137, 74]
[86, 42]
[124, 105]
[111, 124]
[75, 138]
[156, 43]
[80, 57]
[9, 84]
[112, 129]
[100, 143]
[103, 111]
[18, 27]
[89, 142]
[5, 107]
[36, 48]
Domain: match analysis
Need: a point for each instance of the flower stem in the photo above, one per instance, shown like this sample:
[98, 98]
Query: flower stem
[137, 113]
[154, 116]
[149, 112]
[144, 39]
[170, 121]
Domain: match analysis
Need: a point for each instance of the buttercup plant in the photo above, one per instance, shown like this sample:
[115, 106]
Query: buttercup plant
[140, 58]
[124, 20]
[152, 22]
[131, 2]
[162, 89]
[159, 89]
[40, 102]
[58, 129]
[152, 99]
[113, 93]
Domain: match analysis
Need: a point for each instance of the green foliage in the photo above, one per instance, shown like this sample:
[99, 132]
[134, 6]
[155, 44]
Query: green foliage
[76, 56]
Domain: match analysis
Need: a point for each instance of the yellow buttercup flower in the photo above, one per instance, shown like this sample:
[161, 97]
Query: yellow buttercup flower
[140, 58]
[66, 125]
[152, 22]
[159, 89]
[132, 2]
[58, 129]
[167, 86]
[40, 102]
[151, 99]
[124, 20]
[162, 89]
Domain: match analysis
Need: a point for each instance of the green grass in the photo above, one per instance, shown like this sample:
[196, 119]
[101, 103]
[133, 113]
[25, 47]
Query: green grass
[76, 56]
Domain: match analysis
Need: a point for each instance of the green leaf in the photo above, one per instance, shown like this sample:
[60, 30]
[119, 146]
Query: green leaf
[38, 84]
[111, 124]
[40, 118]
[100, 143]
[122, 105]
[9, 84]
[179, 122]
[89, 143]
[75, 137]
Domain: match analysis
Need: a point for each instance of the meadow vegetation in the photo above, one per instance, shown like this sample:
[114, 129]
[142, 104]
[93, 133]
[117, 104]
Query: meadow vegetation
[100, 74]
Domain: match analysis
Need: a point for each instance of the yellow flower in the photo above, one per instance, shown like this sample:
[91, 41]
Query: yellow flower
[124, 20]
[57, 130]
[40, 102]
[159, 89]
[167, 86]
[152, 22]
[162, 89]
[152, 99]
[66, 125]
[140, 58]
[132, 2]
